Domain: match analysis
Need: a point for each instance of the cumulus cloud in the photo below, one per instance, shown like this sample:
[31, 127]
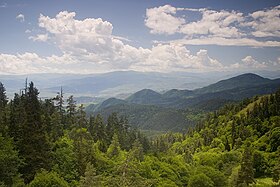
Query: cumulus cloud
[20, 17]
[215, 23]
[174, 57]
[90, 40]
[17, 64]
[265, 22]
[89, 46]
[249, 62]
[229, 28]
[163, 20]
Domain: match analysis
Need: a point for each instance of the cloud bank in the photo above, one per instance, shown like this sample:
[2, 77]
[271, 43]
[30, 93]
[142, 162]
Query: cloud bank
[89, 45]
[225, 28]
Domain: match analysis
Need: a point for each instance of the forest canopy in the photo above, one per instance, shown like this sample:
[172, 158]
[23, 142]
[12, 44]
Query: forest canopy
[52, 142]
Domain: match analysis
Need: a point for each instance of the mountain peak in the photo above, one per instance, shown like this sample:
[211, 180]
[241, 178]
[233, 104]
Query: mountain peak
[243, 80]
[249, 76]
[145, 96]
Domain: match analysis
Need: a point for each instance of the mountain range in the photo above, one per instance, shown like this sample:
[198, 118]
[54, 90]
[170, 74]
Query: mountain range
[119, 84]
[151, 110]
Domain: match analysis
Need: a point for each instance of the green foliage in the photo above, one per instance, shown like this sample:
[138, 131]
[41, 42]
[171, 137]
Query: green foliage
[246, 172]
[231, 147]
[9, 161]
[200, 180]
[90, 178]
[64, 159]
[218, 178]
[48, 179]
[114, 149]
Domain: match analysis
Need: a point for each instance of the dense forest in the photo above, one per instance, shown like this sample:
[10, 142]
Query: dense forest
[54, 143]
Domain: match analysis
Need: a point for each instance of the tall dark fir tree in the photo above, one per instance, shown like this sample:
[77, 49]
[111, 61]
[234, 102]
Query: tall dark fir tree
[3, 104]
[34, 146]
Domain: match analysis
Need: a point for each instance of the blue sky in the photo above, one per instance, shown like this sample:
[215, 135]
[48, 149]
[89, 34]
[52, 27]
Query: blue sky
[163, 36]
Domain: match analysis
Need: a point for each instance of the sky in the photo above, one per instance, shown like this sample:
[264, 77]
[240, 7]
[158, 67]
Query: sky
[90, 36]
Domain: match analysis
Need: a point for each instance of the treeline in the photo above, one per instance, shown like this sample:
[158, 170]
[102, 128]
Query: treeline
[52, 143]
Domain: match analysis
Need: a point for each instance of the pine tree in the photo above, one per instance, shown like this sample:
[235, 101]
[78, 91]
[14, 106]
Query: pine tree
[97, 128]
[3, 97]
[71, 110]
[3, 104]
[34, 146]
[81, 117]
[17, 118]
[91, 178]
[82, 147]
[246, 172]
[60, 104]
[137, 151]
[114, 149]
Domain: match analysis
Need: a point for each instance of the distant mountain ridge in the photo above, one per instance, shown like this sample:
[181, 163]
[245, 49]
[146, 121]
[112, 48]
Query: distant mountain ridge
[244, 80]
[208, 98]
[145, 96]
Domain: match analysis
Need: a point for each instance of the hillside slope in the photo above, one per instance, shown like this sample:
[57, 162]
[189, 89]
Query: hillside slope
[148, 109]
[244, 80]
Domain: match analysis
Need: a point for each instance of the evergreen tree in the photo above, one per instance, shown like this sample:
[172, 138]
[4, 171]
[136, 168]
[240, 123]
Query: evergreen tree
[3, 97]
[82, 147]
[71, 110]
[114, 149]
[48, 179]
[246, 172]
[91, 178]
[9, 162]
[34, 146]
[17, 118]
[81, 117]
[3, 104]
[97, 129]
[276, 168]
[65, 162]
[60, 104]
[137, 151]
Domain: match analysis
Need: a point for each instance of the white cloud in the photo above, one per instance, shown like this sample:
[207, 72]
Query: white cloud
[251, 62]
[174, 57]
[90, 40]
[227, 42]
[20, 63]
[89, 46]
[227, 28]
[20, 17]
[215, 23]
[163, 20]
[27, 31]
[265, 22]
[40, 37]
[218, 23]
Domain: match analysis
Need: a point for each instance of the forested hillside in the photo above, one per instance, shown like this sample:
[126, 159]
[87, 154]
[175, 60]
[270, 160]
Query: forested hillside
[53, 143]
[177, 110]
